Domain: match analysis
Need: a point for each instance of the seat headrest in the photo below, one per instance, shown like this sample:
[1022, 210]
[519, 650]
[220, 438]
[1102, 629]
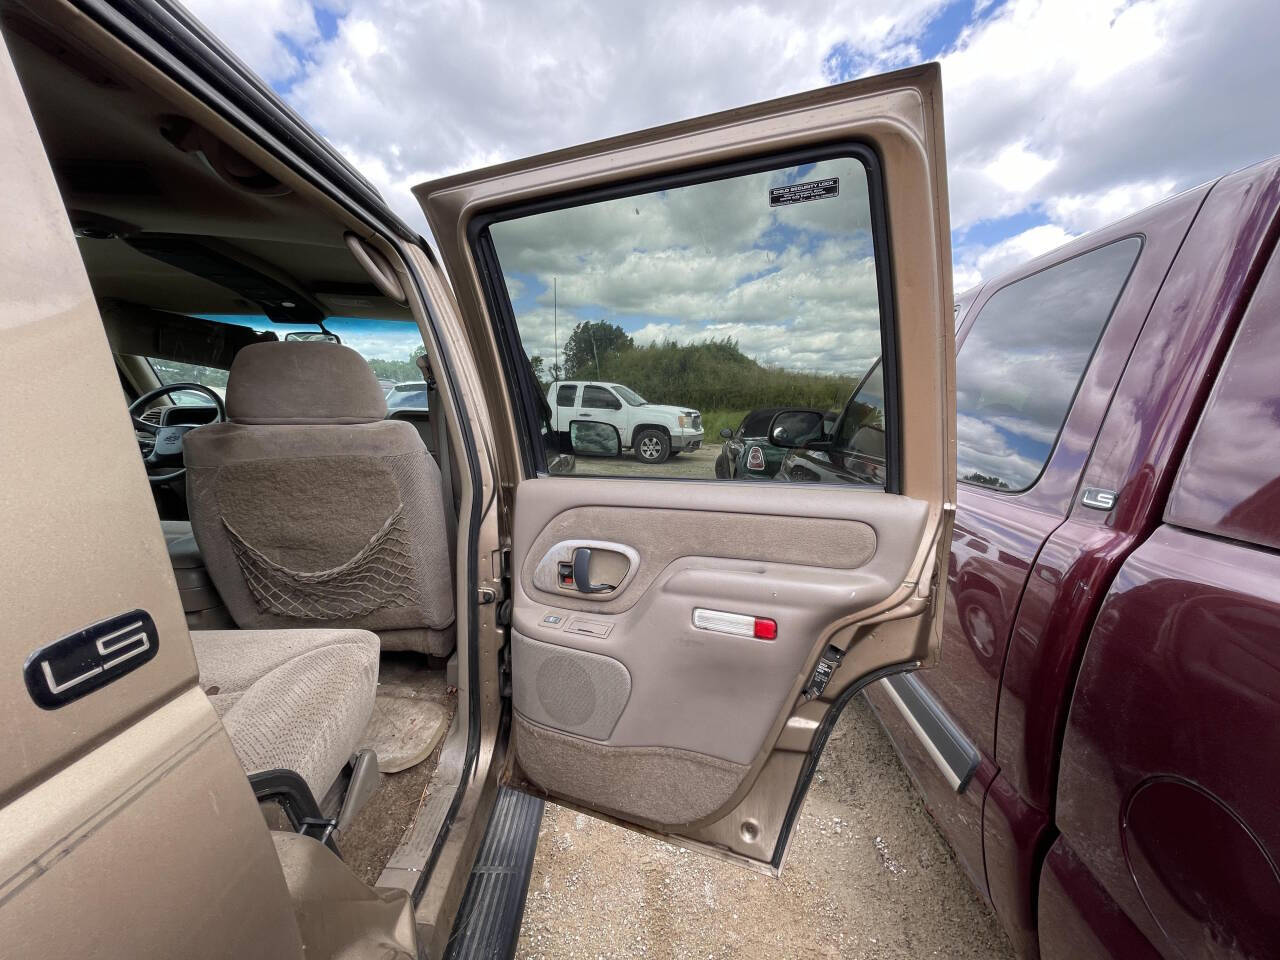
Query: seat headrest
[302, 381]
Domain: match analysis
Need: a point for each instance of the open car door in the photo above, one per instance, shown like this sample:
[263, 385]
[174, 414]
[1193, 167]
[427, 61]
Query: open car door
[680, 646]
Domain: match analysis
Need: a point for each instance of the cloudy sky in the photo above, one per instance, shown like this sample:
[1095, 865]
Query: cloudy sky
[1062, 115]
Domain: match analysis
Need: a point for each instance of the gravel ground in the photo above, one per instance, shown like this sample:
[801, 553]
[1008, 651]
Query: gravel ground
[700, 464]
[868, 876]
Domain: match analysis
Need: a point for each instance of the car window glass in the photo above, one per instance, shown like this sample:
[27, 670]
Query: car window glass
[1229, 481]
[391, 348]
[1022, 362]
[865, 417]
[599, 398]
[566, 394]
[698, 305]
[756, 423]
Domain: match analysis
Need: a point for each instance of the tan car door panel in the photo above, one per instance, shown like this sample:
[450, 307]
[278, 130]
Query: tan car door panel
[645, 702]
[658, 693]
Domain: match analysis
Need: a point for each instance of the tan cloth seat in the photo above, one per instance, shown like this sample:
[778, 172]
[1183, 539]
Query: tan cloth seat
[311, 509]
[291, 699]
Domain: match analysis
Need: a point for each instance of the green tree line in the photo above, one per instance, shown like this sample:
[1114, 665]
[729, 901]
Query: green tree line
[711, 375]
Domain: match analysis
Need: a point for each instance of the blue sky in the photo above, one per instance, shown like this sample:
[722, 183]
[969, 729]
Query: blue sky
[1062, 115]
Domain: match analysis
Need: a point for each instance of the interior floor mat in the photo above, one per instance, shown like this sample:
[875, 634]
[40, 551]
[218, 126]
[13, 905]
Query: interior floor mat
[410, 714]
[404, 731]
[377, 830]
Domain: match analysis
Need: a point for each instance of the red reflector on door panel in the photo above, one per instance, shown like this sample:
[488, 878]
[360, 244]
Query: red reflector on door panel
[737, 624]
[766, 629]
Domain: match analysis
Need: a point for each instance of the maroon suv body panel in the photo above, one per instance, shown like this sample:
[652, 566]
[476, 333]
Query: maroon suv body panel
[1029, 570]
[1167, 793]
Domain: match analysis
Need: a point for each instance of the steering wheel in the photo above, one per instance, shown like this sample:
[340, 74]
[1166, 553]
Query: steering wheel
[166, 448]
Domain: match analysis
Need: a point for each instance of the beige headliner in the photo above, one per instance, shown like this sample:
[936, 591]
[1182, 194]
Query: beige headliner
[102, 131]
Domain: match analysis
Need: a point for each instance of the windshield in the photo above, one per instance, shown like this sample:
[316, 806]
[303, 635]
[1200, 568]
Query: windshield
[407, 395]
[172, 371]
[389, 346]
[629, 395]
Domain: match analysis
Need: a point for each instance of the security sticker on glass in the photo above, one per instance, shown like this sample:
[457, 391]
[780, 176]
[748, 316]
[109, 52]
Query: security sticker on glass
[800, 192]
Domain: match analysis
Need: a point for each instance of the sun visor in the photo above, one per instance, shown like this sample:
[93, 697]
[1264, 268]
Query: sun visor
[140, 331]
[279, 296]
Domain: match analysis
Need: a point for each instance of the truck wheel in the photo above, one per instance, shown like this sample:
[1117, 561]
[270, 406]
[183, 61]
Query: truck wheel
[652, 446]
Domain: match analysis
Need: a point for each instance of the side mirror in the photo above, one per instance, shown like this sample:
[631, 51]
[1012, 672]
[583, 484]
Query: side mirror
[594, 439]
[726, 433]
[561, 464]
[796, 428]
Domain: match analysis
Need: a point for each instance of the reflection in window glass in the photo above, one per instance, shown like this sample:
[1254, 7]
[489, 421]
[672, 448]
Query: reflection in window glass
[1023, 360]
[697, 305]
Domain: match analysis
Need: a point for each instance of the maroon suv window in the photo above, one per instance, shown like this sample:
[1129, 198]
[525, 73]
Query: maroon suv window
[1229, 483]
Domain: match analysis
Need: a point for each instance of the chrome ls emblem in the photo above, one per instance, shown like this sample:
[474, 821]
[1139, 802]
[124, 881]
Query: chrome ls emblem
[88, 659]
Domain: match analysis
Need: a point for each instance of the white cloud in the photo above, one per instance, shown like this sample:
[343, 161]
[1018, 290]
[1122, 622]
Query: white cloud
[1131, 100]
[1078, 111]
[973, 263]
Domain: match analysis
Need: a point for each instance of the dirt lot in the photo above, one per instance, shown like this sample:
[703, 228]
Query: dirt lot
[868, 876]
[700, 464]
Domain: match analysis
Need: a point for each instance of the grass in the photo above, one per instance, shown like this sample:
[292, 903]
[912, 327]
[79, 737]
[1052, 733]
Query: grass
[713, 421]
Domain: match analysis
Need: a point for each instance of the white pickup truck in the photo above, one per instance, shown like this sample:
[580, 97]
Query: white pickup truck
[653, 430]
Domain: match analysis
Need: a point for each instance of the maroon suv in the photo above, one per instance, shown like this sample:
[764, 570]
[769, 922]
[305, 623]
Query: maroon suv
[1101, 742]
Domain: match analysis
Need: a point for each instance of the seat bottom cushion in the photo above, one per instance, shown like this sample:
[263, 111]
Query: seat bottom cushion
[291, 699]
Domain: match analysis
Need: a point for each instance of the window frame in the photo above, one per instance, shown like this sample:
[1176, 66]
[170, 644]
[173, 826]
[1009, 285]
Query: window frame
[523, 387]
[972, 316]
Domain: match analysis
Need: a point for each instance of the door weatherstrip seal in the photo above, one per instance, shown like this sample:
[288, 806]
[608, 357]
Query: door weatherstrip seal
[816, 748]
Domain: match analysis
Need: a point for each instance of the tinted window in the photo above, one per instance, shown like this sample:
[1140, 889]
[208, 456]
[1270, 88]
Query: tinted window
[756, 423]
[565, 395]
[1229, 483]
[1022, 362]
[598, 398]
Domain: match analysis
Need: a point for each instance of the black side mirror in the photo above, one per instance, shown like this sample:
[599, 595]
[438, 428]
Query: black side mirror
[797, 428]
[726, 433]
[594, 439]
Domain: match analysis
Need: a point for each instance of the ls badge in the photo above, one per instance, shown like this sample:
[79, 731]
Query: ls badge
[81, 662]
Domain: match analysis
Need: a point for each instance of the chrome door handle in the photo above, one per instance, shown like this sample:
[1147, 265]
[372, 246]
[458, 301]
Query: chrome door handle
[582, 573]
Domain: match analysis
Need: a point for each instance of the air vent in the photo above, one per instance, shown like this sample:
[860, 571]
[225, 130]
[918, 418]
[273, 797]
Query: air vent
[154, 415]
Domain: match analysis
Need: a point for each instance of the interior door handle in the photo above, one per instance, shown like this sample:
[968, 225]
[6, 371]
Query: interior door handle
[582, 573]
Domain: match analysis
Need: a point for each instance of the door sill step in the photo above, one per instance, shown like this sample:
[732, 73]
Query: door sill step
[492, 908]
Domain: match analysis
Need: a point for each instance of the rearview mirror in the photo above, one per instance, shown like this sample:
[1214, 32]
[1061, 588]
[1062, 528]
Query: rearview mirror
[324, 335]
[796, 428]
[726, 433]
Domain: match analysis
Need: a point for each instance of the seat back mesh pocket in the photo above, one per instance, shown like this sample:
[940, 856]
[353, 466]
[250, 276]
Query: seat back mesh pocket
[379, 576]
